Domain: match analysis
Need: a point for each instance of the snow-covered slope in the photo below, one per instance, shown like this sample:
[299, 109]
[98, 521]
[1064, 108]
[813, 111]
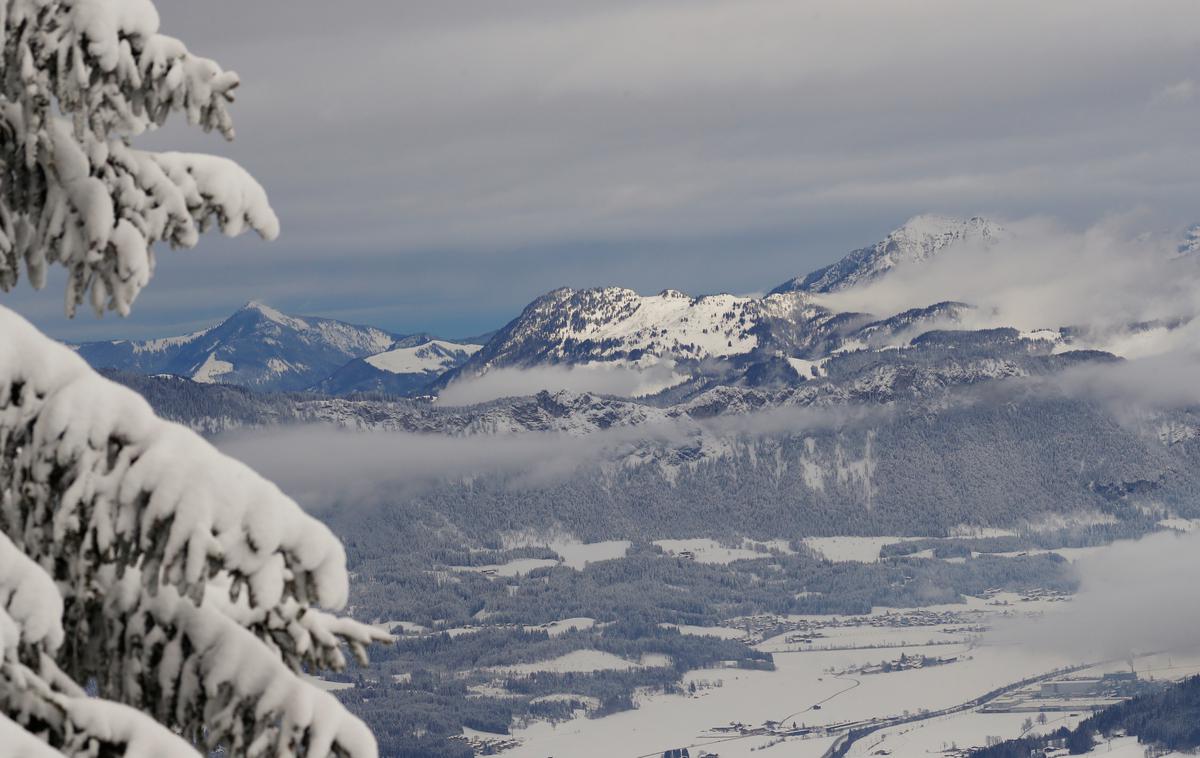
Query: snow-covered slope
[257, 346]
[619, 326]
[433, 357]
[401, 371]
[612, 323]
[921, 238]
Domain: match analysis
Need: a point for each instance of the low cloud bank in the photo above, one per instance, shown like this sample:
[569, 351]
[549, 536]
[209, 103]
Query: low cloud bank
[620, 380]
[1135, 597]
[1161, 382]
[1040, 275]
[319, 465]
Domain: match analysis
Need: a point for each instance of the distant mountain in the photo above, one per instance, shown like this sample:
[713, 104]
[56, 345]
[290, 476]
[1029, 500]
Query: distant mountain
[692, 344]
[400, 371]
[617, 326]
[256, 347]
[920, 239]
[746, 335]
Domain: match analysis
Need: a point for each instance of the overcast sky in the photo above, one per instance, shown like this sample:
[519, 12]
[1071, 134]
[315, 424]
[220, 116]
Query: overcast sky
[437, 164]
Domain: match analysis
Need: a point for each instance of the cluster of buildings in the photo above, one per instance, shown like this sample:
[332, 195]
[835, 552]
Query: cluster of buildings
[481, 745]
[804, 629]
[903, 663]
[1073, 694]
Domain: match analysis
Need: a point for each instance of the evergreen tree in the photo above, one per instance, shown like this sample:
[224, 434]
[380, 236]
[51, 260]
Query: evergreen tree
[133, 555]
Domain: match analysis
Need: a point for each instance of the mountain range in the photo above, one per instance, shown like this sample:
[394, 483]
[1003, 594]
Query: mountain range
[783, 335]
[811, 419]
[263, 349]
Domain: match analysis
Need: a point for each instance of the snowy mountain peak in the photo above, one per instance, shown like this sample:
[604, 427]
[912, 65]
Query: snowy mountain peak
[270, 314]
[258, 346]
[920, 238]
[433, 357]
[408, 368]
[927, 234]
[617, 324]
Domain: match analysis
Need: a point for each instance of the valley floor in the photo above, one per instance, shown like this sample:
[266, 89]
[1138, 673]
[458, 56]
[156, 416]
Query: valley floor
[807, 694]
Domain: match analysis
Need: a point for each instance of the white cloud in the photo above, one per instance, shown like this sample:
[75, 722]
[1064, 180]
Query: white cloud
[1179, 93]
[320, 465]
[597, 378]
[1043, 276]
[1170, 381]
[1135, 597]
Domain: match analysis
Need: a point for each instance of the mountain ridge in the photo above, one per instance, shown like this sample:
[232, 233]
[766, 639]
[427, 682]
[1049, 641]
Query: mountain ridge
[776, 339]
[257, 346]
[919, 239]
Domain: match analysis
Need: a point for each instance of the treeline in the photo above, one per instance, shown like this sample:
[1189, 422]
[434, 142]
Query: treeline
[1170, 719]
[1084, 535]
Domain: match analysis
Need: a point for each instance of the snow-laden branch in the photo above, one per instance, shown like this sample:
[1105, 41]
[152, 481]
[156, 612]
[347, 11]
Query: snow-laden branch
[73, 723]
[96, 476]
[98, 207]
[212, 678]
[17, 741]
[44, 701]
[105, 63]
[30, 600]
[187, 581]
[73, 192]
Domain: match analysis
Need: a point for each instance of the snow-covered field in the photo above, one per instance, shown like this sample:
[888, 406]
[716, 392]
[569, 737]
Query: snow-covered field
[861, 549]
[1126, 747]
[711, 551]
[803, 680]
[960, 729]
[584, 661]
[557, 628]
[402, 627]
[723, 632]
[574, 553]
[518, 567]
[577, 554]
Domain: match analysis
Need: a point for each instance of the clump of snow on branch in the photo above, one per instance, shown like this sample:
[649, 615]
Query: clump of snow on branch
[39, 698]
[73, 191]
[140, 557]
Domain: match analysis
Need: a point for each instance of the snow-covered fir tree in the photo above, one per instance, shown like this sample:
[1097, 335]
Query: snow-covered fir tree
[134, 557]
